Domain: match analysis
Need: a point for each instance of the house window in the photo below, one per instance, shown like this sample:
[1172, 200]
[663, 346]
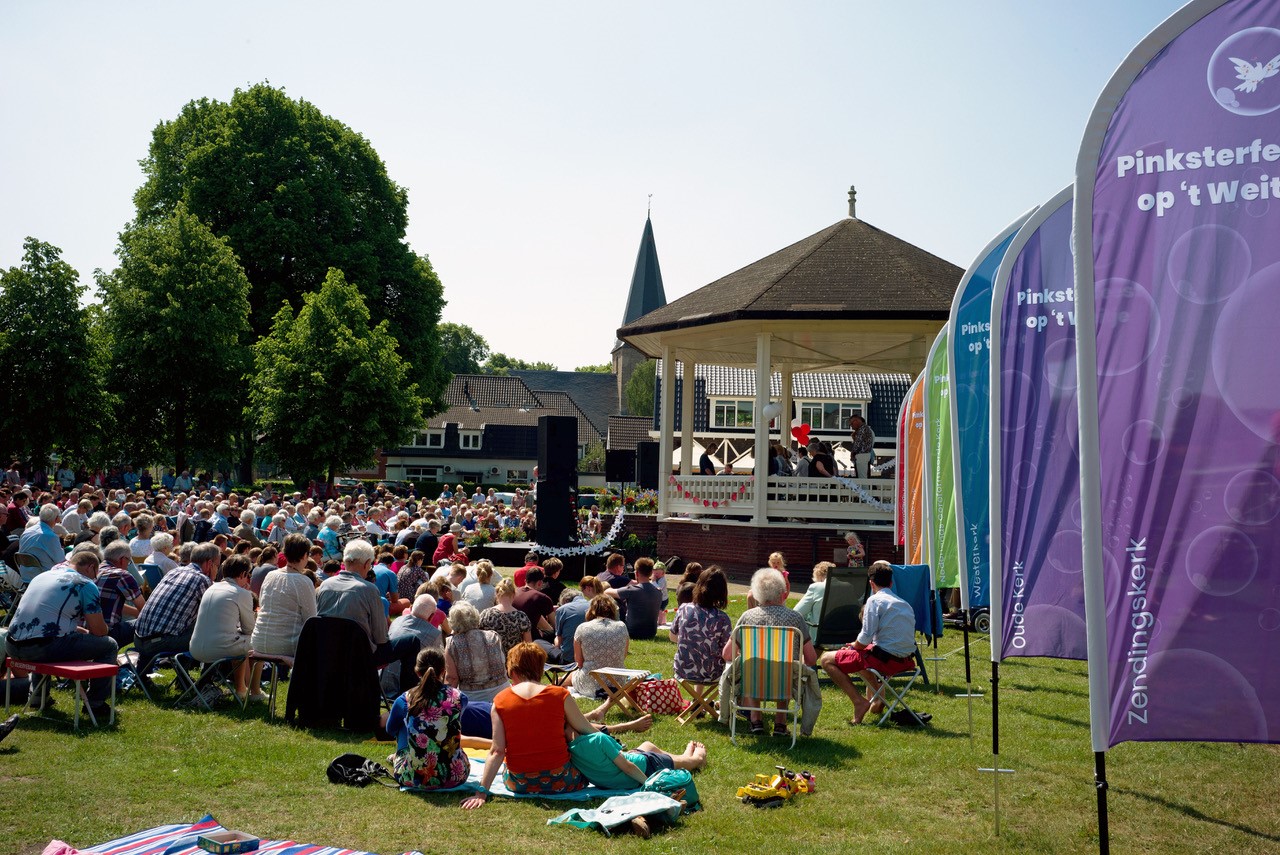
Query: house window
[828, 415]
[733, 414]
[422, 473]
[429, 439]
[470, 440]
[517, 476]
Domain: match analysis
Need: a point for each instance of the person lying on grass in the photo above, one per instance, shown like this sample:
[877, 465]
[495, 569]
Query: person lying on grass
[604, 762]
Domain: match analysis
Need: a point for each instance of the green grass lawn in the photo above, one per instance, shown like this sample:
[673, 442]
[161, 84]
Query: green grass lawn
[880, 790]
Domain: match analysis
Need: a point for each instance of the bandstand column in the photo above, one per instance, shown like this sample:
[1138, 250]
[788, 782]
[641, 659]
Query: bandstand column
[666, 427]
[764, 371]
[784, 420]
[686, 414]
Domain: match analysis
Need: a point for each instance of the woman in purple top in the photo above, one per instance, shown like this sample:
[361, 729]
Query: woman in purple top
[701, 629]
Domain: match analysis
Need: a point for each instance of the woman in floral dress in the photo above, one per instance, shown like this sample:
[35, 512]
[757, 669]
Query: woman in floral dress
[701, 628]
[427, 724]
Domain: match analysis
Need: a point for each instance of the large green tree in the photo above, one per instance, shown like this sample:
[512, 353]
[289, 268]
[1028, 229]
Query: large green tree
[295, 193]
[52, 383]
[462, 349]
[639, 389]
[328, 387]
[178, 317]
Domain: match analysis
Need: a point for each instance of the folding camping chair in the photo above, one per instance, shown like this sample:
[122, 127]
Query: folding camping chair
[276, 661]
[29, 566]
[841, 617]
[12, 587]
[768, 667]
[894, 697]
[558, 675]
[214, 679]
[702, 700]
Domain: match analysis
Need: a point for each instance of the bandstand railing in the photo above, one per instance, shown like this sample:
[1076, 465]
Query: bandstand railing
[863, 503]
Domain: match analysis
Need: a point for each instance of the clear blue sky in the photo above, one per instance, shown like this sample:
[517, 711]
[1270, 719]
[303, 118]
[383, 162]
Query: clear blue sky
[530, 135]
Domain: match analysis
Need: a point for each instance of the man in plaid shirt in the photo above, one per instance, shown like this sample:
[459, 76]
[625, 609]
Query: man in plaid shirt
[118, 592]
[166, 621]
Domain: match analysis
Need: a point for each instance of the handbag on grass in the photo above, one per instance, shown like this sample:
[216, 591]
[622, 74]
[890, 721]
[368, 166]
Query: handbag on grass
[659, 697]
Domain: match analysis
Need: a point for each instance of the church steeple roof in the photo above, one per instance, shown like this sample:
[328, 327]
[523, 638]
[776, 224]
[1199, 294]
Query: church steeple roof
[646, 292]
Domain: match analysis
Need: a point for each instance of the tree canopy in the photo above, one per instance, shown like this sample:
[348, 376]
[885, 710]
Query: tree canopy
[462, 349]
[602, 368]
[52, 384]
[465, 351]
[178, 319]
[295, 193]
[639, 389]
[328, 388]
[500, 363]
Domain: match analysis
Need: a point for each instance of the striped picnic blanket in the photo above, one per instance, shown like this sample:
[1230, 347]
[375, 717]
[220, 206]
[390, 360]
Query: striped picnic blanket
[181, 840]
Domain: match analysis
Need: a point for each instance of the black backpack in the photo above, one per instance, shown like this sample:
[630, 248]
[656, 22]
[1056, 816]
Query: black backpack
[356, 770]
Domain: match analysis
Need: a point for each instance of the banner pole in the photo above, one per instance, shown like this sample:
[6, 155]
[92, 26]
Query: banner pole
[995, 737]
[1100, 781]
[968, 678]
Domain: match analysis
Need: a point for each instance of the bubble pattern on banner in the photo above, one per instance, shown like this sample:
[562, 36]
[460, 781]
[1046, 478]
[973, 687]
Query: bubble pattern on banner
[1252, 498]
[1208, 264]
[1187, 292]
[1246, 337]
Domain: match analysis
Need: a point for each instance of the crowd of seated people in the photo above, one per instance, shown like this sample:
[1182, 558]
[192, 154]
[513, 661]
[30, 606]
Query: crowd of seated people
[221, 575]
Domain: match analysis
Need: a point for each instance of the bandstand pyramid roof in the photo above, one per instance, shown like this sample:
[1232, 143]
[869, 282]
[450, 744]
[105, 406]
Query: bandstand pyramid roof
[850, 297]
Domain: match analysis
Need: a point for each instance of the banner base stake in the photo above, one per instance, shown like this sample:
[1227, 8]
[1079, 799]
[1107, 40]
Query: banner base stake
[997, 772]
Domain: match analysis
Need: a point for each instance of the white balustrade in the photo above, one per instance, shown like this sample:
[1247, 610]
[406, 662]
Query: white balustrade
[818, 500]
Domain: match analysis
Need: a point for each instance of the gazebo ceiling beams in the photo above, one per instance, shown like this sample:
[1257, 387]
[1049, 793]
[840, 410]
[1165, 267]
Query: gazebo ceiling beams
[802, 345]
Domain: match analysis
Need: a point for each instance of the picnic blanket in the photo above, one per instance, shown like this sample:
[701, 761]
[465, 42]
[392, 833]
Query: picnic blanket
[619, 810]
[181, 840]
[499, 788]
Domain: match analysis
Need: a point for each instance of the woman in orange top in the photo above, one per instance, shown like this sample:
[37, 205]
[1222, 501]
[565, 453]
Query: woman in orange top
[529, 721]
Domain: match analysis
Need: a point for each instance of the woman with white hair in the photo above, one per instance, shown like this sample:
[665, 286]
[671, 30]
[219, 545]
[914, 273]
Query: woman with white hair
[161, 546]
[769, 589]
[328, 538]
[276, 533]
[140, 548]
[473, 656]
[246, 530]
[92, 527]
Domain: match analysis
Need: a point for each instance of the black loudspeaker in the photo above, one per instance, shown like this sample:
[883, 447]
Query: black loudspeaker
[558, 447]
[647, 465]
[620, 465]
[557, 508]
[557, 513]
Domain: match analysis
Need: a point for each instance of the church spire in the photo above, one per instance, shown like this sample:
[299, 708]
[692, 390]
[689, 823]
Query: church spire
[646, 292]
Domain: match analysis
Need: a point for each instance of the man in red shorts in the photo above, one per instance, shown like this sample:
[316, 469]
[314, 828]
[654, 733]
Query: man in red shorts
[887, 643]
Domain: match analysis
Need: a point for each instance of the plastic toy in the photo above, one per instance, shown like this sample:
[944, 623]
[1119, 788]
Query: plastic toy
[773, 790]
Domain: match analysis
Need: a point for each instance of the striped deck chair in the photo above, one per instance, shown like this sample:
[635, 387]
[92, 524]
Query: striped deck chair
[769, 667]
